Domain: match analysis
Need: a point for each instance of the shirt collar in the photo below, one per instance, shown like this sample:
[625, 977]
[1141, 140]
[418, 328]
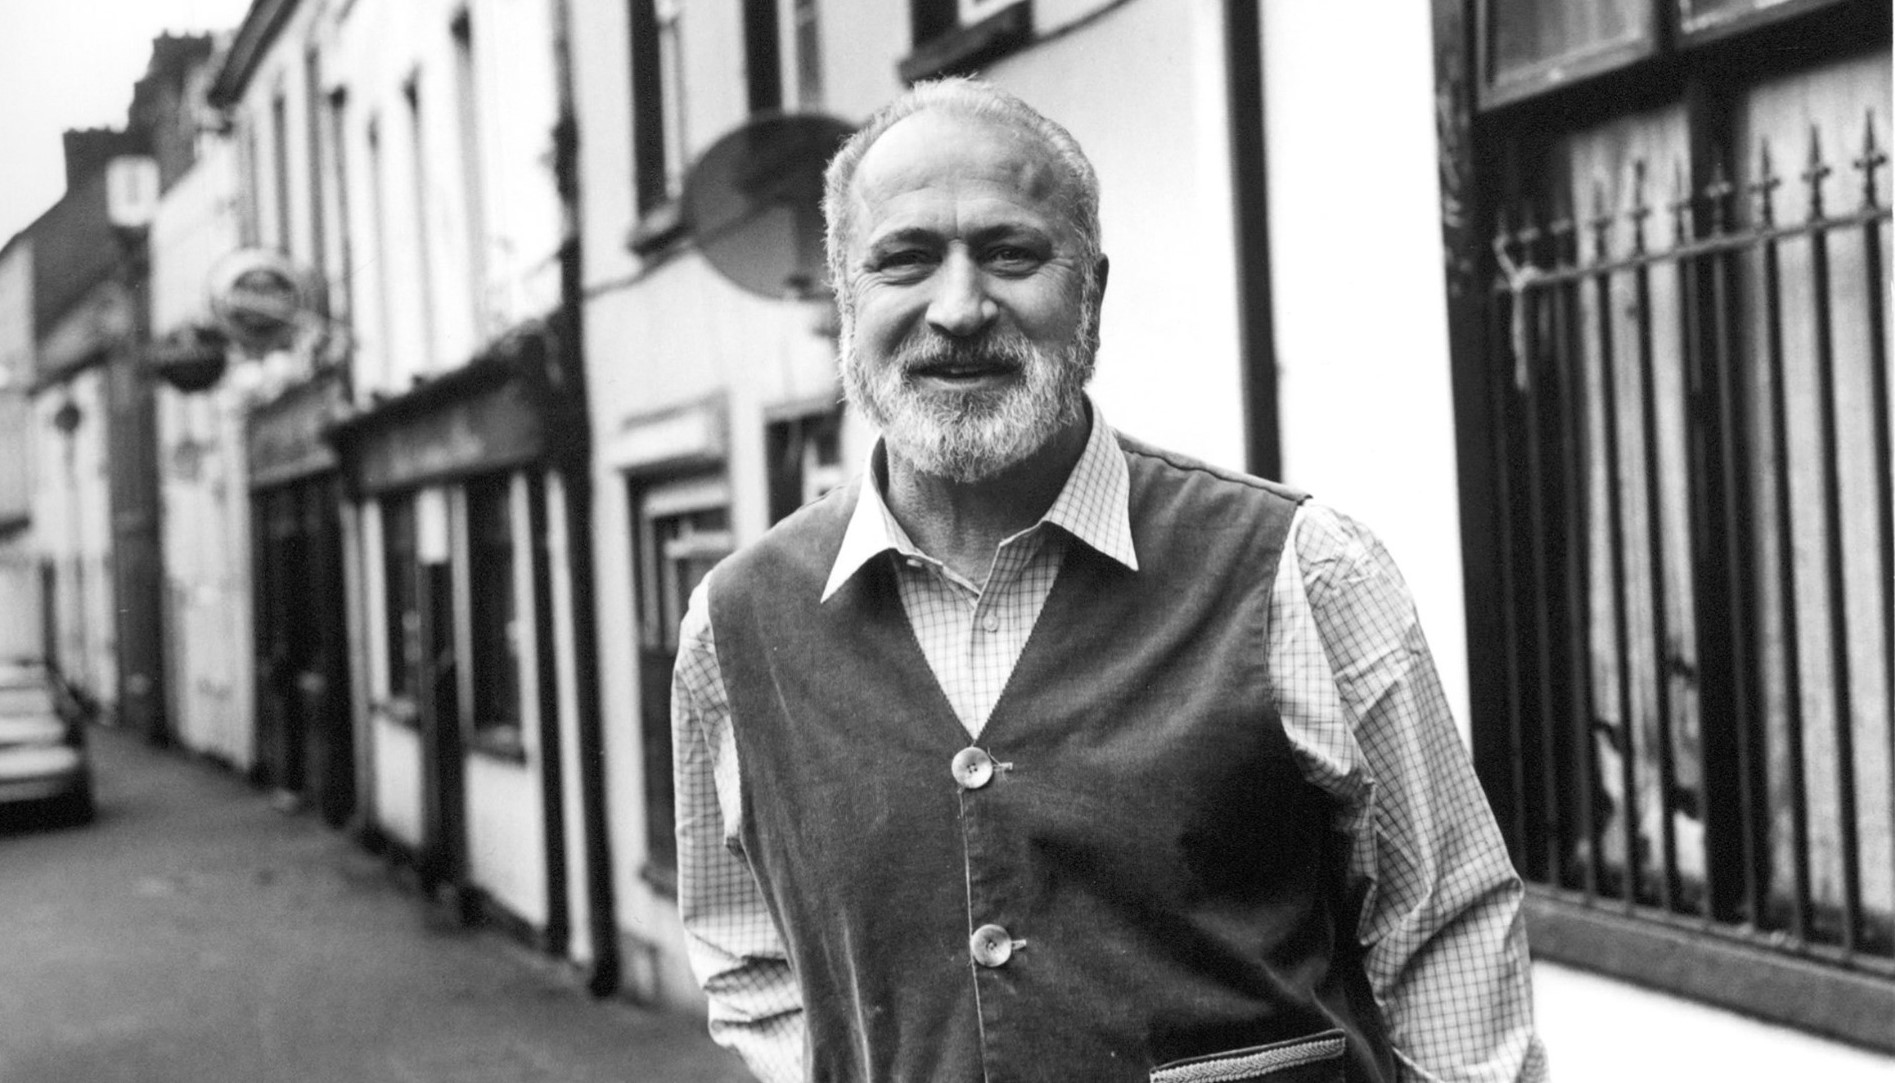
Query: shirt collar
[1094, 507]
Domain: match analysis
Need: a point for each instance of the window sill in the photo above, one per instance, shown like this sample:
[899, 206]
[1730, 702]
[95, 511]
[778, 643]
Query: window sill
[965, 50]
[498, 742]
[658, 230]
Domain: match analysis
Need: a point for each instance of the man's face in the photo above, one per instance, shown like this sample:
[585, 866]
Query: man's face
[968, 334]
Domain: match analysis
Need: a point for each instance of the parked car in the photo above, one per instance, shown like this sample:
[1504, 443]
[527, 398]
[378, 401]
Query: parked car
[45, 772]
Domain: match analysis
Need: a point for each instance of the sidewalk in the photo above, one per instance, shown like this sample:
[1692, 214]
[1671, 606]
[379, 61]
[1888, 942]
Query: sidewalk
[1599, 1029]
[195, 934]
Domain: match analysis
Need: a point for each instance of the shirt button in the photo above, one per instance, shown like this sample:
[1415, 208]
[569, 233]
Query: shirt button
[991, 945]
[990, 622]
[973, 768]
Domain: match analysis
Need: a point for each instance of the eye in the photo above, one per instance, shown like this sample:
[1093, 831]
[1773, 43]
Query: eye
[1012, 257]
[903, 263]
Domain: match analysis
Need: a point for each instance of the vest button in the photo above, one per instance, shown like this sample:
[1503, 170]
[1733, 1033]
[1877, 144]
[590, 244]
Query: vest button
[991, 945]
[973, 768]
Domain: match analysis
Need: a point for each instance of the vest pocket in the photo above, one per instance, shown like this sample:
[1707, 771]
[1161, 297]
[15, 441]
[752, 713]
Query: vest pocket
[1316, 1059]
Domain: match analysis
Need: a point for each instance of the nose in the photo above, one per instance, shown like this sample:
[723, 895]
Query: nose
[961, 306]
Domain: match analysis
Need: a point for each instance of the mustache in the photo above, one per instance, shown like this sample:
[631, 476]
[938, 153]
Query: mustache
[994, 351]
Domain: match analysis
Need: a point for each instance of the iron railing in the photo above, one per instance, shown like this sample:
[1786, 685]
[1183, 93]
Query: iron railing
[1698, 561]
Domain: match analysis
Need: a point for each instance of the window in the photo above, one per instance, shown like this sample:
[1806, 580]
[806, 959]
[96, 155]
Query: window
[467, 98]
[280, 168]
[1529, 46]
[1690, 526]
[763, 56]
[657, 101]
[495, 618]
[424, 253]
[338, 115]
[401, 588]
[250, 215]
[679, 530]
[312, 135]
[809, 81]
[957, 37]
[378, 219]
[805, 459]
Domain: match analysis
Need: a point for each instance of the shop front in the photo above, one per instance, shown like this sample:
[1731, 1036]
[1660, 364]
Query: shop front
[305, 728]
[450, 486]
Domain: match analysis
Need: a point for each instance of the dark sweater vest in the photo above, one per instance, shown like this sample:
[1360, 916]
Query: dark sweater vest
[1171, 884]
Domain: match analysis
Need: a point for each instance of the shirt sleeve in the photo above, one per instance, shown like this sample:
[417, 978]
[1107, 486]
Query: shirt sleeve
[1441, 922]
[732, 942]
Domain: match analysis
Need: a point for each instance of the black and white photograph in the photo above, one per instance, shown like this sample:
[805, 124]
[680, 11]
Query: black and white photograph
[946, 541]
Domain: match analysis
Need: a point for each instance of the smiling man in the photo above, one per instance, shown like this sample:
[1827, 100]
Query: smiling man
[1039, 753]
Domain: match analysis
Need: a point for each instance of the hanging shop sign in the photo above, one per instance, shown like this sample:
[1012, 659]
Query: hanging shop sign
[263, 300]
[191, 358]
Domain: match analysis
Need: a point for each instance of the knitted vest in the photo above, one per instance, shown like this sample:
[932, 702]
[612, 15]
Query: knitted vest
[1130, 880]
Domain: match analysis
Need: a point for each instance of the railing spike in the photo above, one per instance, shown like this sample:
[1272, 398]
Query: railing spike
[1765, 185]
[1680, 203]
[1601, 222]
[1562, 228]
[1640, 209]
[1873, 158]
[1816, 173]
[1718, 192]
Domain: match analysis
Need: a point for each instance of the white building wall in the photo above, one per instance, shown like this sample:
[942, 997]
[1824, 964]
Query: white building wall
[1363, 368]
[74, 530]
[421, 310]
[204, 477]
[20, 625]
[1142, 89]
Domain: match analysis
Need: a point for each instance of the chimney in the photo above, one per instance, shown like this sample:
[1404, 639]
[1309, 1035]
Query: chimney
[88, 149]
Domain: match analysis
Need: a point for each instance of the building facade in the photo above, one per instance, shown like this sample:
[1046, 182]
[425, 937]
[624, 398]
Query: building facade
[407, 477]
[22, 635]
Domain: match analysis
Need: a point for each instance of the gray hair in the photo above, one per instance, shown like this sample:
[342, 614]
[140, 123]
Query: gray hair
[973, 99]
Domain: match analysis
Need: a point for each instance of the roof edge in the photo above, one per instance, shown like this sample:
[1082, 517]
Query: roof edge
[259, 31]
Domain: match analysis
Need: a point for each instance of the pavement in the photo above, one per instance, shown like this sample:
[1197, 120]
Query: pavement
[1597, 1028]
[194, 933]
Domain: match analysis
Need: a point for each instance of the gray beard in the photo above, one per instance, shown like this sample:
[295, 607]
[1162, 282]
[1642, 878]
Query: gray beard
[968, 436]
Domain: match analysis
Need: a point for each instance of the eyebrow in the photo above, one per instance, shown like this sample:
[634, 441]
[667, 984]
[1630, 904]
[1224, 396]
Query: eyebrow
[984, 235]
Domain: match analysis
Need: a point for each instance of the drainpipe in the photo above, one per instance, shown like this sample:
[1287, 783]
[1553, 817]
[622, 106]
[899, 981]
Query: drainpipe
[574, 457]
[1256, 336]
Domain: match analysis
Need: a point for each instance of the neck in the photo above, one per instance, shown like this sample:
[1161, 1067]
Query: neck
[963, 523]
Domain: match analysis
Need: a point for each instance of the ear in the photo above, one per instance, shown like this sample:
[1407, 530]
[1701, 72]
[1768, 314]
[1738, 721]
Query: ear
[1100, 272]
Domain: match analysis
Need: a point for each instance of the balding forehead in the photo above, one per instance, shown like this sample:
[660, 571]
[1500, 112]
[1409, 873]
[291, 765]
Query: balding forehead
[986, 144]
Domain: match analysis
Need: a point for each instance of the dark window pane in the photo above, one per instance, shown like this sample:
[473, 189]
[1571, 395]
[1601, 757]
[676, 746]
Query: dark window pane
[496, 641]
[648, 112]
[402, 593]
[1533, 40]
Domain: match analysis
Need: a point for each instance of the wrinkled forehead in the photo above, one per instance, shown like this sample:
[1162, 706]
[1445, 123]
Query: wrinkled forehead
[937, 149]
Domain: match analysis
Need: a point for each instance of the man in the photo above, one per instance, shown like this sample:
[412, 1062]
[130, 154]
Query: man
[1042, 754]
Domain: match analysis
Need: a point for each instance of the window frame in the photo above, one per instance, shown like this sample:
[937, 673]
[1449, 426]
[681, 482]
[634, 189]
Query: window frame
[944, 43]
[496, 656]
[401, 608]
[659, 599]
[1672, 33]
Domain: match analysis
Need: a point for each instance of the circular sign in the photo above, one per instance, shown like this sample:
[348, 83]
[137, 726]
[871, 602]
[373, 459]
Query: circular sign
[754, 202]
[260, 298]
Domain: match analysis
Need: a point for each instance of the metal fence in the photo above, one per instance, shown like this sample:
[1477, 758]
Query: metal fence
[1692, 394]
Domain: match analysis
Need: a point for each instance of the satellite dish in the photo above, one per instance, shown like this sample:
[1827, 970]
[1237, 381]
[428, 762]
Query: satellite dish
[754, 203]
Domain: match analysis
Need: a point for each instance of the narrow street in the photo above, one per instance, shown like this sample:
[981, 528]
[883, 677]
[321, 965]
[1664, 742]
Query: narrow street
[194, 933]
